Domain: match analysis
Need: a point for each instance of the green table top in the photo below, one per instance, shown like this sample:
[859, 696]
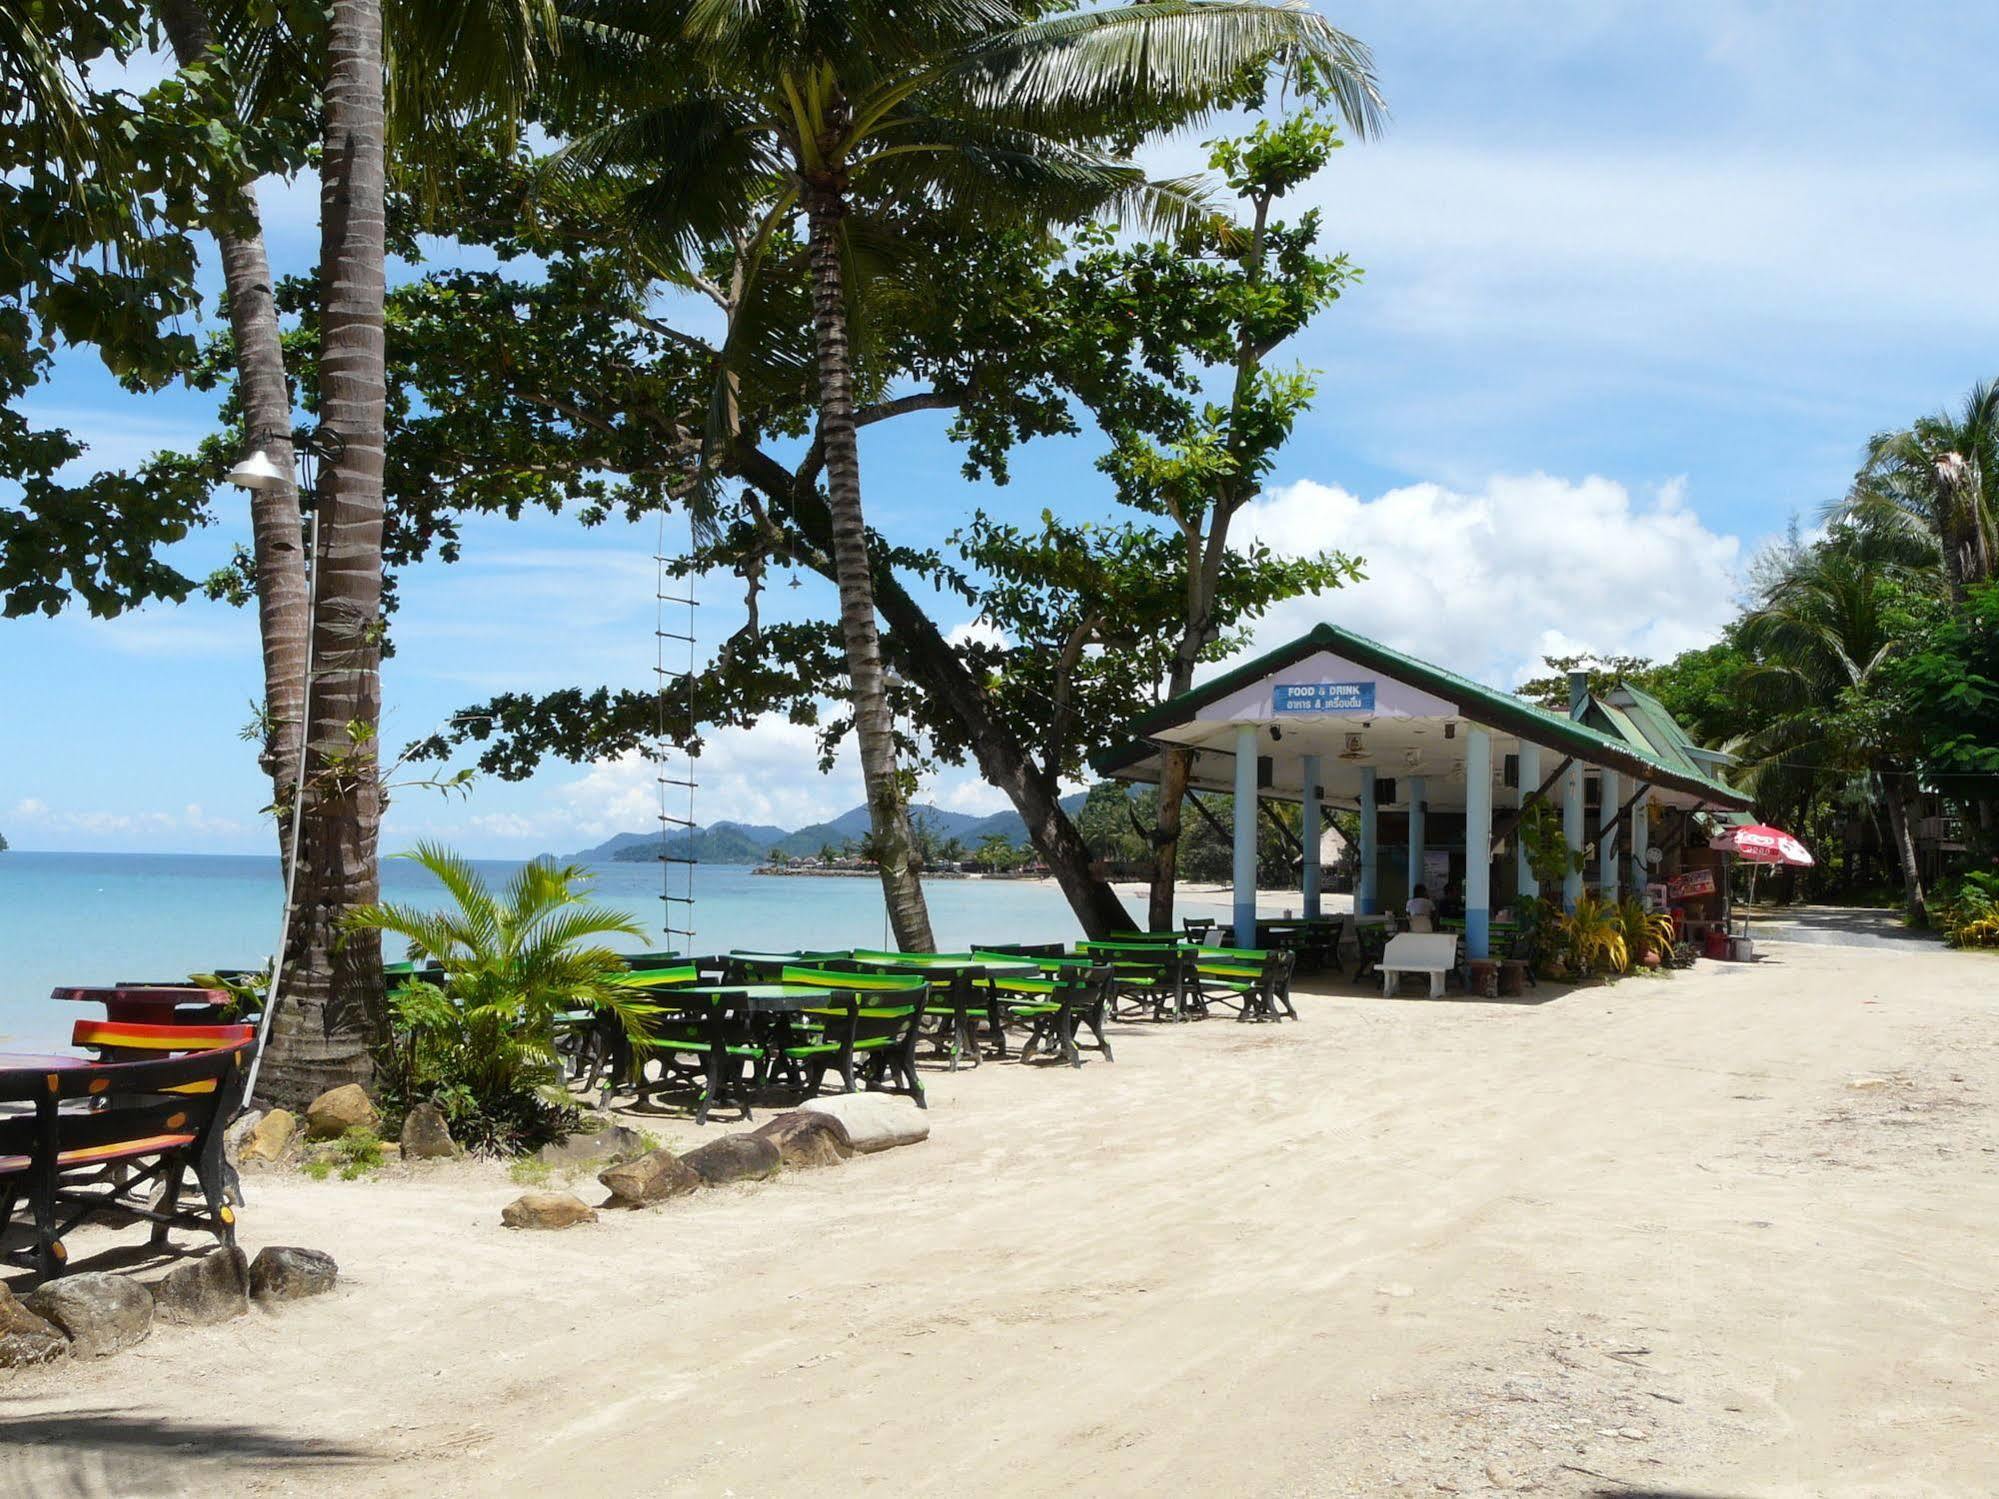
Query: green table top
[948, 963]
[761, 996]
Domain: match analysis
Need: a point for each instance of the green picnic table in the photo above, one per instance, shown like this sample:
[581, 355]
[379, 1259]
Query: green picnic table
[960, 971]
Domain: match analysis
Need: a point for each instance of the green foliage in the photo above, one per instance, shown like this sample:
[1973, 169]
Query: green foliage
[996, 854]
[1643, 931]
[1966, 909]
[355, 1154]
[1590, 940]
[1548, 853]
[482, 1046]
[103, 194]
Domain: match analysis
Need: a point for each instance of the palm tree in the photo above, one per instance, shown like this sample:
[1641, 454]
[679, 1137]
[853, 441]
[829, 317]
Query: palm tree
[322, 1034]
[515, 961]
[720, 124]
[1939, 480]
[1820, 638]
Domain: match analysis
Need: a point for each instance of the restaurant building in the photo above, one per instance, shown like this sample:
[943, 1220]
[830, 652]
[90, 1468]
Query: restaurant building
[1438, 769]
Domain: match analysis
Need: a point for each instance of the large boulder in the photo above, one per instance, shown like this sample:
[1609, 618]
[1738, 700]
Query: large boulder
[874, 1121]
[338, 1110]
[102, 1313]
[281, 1273]
[26, 1339]
[426, 1137]
[613, 1143]
[807, 1139]
[211, 1289]
[733, 1158]
[269, 1138]
[653, 1177]
[547, 1210]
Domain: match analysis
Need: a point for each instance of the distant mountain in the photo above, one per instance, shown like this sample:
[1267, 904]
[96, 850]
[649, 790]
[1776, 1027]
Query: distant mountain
[752, 843]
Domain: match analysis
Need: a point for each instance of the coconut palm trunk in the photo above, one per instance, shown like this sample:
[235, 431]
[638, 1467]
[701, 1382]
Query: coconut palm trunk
[1900, 797]
[888, 811]
[323, 1033]
[282, 610]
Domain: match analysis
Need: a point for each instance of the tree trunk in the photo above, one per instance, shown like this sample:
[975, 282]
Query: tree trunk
[1896, 788]
[888, 810]
[933, 664]
[322, 1034]
[1176, 767]
[282, 609]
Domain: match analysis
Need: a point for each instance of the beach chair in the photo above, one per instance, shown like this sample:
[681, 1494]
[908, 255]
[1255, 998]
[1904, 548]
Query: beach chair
[874, 1024]
[1066, 995]
[1255, 983]
[593, 1042]
[127, 1127]
[1150, 978]
[704, 1043]
[1432, 954]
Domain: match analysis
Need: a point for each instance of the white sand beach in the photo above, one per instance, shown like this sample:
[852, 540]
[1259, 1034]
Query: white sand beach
[1729, 1233]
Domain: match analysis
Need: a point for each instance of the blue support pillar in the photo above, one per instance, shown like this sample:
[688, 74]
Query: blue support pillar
[1478, 843]
[1606, 846]
[1311, 836]
[1417, 789]
[1572, 834]
[1367, 898]
[1530, 782]
[1245, 835]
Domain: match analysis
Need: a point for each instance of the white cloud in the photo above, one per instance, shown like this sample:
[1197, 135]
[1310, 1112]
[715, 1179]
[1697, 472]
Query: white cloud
[1486, 582]
[969, 794]
[982, 631]
[151, 828]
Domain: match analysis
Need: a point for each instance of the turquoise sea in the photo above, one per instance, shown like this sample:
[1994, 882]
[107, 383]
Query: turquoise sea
[100, 918]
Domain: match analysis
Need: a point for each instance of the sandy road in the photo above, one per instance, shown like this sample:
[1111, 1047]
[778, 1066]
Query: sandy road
[1646, 1239]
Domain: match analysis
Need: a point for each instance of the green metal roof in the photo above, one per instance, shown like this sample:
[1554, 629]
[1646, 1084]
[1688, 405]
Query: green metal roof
[1487, 705]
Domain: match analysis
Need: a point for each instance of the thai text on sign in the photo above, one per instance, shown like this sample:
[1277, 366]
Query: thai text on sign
[1323, 697]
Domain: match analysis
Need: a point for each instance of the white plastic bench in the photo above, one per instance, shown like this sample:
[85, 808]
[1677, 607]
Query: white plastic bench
[1432, 953]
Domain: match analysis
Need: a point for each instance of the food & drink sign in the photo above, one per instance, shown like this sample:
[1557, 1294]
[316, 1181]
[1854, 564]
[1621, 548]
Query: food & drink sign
[1322, 697]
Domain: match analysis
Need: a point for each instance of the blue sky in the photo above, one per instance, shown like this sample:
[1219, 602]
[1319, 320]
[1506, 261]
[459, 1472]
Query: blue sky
[1639, 281]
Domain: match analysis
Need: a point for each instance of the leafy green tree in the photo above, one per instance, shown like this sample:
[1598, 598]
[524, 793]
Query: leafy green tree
[103, 193]
[726, 125]
[1822, 638]
[996, 853]
[1945, 686]
[1551, 690]
[1149, 323]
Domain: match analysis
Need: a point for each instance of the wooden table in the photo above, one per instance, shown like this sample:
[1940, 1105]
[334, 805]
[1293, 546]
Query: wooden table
[150, 1004]
[30, 1061]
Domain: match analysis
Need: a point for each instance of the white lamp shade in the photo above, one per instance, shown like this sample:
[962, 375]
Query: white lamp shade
[257, 472]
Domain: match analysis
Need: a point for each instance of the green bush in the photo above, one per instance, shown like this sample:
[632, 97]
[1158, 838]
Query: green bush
[481, 1046]
[1966, 909]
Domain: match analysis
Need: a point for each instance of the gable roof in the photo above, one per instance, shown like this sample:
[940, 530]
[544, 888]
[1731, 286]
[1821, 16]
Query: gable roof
[1501, 710]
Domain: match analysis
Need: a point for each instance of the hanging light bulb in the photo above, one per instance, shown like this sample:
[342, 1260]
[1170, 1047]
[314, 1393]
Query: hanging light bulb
[257, 472]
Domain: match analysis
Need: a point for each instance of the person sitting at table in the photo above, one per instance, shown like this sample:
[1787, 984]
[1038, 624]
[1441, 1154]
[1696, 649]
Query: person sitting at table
[1421, 911]
[1453, 903]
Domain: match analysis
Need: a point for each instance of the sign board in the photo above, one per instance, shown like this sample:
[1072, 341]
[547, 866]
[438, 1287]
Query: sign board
[1322, 697]
[1694, 882]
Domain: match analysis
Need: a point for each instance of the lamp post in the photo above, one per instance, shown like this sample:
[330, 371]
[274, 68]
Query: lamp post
[257, 473]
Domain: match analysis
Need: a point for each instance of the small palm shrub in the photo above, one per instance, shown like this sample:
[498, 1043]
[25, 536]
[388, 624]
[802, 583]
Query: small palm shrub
[481, 1045]
[1590, 938]
[1644, 931]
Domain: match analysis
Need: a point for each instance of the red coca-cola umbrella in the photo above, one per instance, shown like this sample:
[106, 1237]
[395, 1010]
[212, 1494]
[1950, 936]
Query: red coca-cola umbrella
[1759, 844]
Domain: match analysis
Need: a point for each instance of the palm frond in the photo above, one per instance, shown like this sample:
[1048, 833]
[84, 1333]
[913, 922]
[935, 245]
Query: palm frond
[1080, 71]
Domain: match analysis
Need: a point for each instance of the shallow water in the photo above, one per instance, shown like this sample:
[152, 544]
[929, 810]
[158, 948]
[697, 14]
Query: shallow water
[99, 918]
